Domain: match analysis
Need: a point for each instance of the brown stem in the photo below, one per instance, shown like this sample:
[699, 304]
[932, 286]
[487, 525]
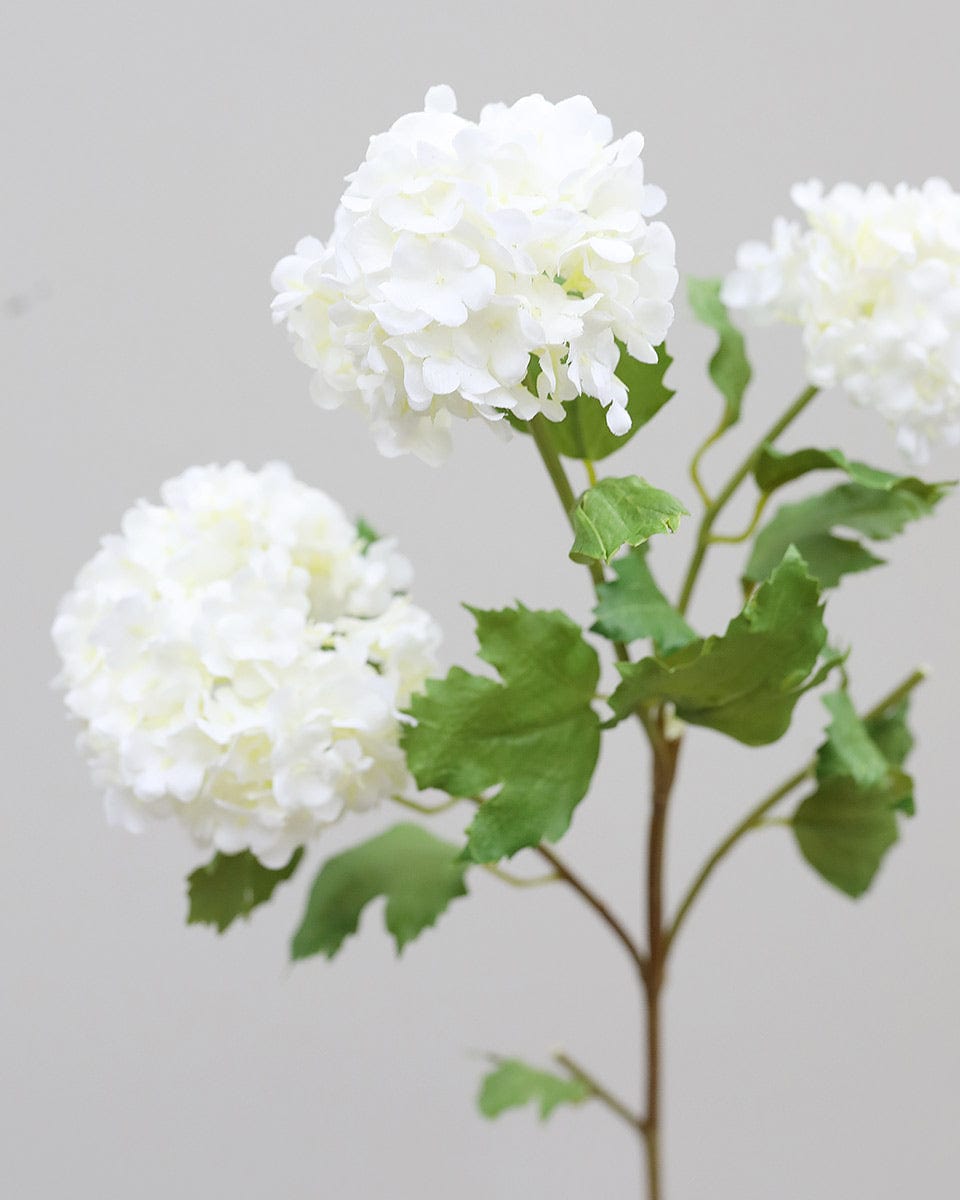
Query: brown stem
[664, 772]
[613, 923]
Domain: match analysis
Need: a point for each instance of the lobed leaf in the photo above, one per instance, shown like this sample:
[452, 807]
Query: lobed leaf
[729, 367]
[534, 736]
[417, 873]
[745, 683]
[512, 1084]
[632, 607]
[232, 886]
[621, 512]
[875, 503]
[846, 826]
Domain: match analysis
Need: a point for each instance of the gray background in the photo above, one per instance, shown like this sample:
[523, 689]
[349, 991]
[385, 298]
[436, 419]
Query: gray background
[157, 160]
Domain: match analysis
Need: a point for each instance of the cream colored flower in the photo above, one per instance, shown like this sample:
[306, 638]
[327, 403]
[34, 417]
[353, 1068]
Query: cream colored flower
[239, 661]
[462, 249]
[873, 280]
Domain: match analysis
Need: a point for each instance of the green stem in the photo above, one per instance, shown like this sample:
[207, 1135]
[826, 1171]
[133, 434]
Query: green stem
[734, 539]
[750, 821]
[520, 881]
[717, 506]
[755, 817]
[427, 810]
[597, 1090]
[540, 428]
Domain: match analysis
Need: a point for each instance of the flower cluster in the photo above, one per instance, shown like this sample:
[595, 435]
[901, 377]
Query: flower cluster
[874, 282]
[239, 658]
[463, 250]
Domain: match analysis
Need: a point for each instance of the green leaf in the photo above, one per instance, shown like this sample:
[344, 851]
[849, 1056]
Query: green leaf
[774, 468]
[847, 825]
[232, 886]
[849, 749]
[746, 683]
[583, 433]
[891, 734]
[632, 606]
[534, 735]
[729, 368]
[513, 1085]
[844, 829]
[621, 512]
[367, 534]
[879, 510]
[417, 873]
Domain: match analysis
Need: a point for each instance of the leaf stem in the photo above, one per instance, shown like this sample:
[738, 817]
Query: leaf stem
[755, 818]
[717, 506]
[427, 810]
[736, 539]
[597, 1090]
[520, 881]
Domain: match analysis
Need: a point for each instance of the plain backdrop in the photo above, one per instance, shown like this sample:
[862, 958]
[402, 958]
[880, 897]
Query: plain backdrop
[157, 159]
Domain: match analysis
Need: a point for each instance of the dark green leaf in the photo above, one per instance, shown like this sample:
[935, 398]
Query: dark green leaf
[632, 607]
[849, 749]
[729, 368]
[774, 468]
[844, 829]
[890, 732]
[747, 682]
[535, 735]
[875, 510]
[512, 1084]
[583, 433]
[417, 873]
[621, 512]
[232, 886]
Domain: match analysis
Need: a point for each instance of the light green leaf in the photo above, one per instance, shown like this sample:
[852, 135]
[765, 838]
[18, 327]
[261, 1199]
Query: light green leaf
[621, 512]
[417, 873]
[366, 533]
[746, 683]
[878, 511]
[583, 433]
[632, 606]
[729, 368]
[847, 825]
[534, 735]
[232, 886]
[512, 1084]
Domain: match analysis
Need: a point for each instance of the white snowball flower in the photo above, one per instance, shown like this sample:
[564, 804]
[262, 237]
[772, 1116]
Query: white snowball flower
[462, 248]
[240, 660]
[873, 279]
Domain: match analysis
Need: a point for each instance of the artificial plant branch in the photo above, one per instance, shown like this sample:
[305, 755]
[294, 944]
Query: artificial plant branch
[755, 818]
[717, 506]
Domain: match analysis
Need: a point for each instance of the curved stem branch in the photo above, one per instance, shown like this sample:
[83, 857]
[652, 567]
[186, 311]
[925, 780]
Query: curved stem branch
[520, 881]
[732, 539]
[427, 810]
[714, 509]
